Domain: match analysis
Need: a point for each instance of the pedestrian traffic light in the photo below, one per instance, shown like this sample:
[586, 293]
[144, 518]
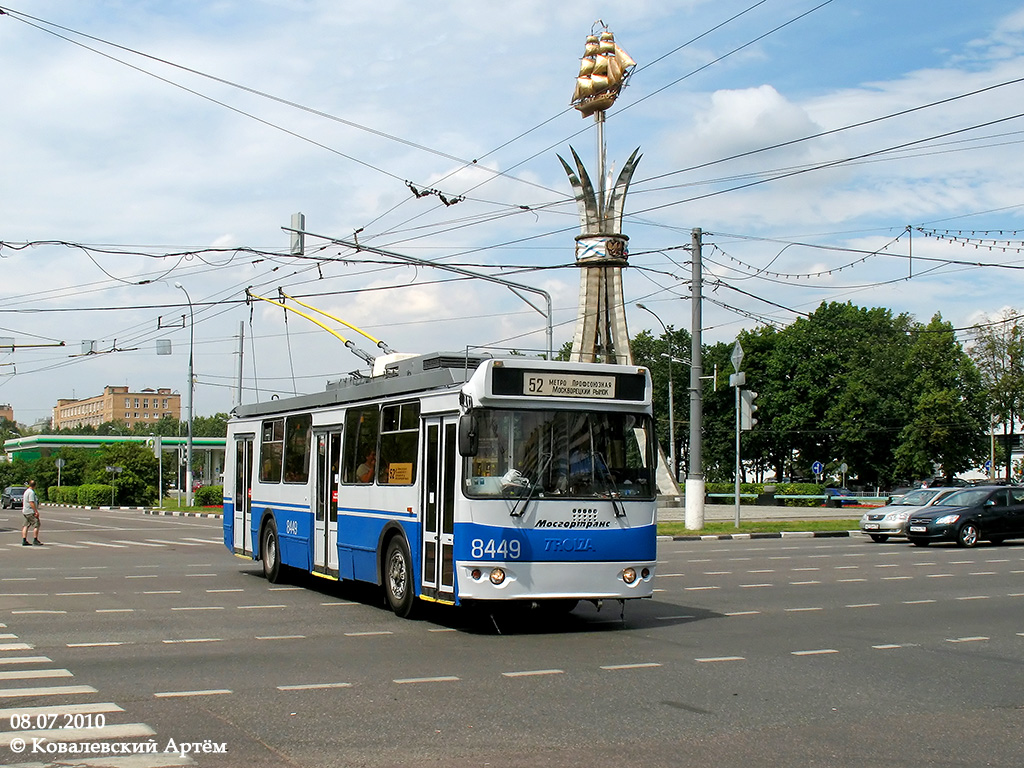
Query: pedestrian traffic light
[747, 409]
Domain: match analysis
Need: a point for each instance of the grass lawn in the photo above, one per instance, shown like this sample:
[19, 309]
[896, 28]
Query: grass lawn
[756, 526]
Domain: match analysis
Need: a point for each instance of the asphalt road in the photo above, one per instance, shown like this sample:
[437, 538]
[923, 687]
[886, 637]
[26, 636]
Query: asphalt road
[781, 652]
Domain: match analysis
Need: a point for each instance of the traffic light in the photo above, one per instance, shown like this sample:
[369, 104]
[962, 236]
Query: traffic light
[747, 409]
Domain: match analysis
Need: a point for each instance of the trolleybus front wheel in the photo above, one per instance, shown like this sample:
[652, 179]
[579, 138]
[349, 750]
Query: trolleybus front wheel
[398, 578]
[271, 553]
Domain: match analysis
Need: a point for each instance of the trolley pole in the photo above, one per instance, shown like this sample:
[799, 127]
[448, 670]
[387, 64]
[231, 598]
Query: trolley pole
[694, 493]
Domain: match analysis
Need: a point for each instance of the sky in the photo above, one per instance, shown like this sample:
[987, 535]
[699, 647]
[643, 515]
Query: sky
[828, 150]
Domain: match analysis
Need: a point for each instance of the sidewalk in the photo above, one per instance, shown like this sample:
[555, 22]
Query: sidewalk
[719, 513]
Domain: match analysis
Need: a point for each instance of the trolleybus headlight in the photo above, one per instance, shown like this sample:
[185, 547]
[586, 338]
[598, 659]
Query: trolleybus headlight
[629, 575]
[477, 574]
[645, 574]
[497, 576]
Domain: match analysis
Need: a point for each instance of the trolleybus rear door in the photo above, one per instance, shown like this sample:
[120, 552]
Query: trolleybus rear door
[438, 506]
[243, 494]
[325, 530]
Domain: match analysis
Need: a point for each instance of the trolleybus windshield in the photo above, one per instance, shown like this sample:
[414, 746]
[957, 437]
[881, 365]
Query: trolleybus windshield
[568, 454]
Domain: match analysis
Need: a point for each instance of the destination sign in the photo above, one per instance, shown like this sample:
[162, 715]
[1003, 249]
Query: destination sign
[568, 385]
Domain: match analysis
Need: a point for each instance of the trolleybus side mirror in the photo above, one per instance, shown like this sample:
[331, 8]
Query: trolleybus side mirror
[468, 443]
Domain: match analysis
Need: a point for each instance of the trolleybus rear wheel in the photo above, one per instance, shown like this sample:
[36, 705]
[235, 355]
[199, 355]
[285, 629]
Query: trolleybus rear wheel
[398, 578]
[271, 553]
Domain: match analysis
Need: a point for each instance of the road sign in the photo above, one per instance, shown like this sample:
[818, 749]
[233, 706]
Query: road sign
[737, 356]
[817, 467]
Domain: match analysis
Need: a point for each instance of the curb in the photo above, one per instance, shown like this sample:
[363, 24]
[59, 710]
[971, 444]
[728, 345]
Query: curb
[745, 536]
[176, 513]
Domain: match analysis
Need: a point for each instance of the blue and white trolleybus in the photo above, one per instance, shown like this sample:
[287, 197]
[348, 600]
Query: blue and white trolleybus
[451, 478]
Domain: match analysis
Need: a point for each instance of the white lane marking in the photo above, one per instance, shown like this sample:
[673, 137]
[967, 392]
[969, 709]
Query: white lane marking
[115, 610]
[367, 634]
[80, 578]
[60, 709]
[918, 602]
[711, 659]
[974, 597]
[674, 618]
[754, 586]
[103, 544]
[93, 645]
[939, 575]
[639, 665]
[976, 639]
[143, 576]
[123, 731]
[137, 543]
[698, 589]
[35, 611]
[174, 543]
[982, 573]
[76, 594]
[225, 590]
[162, 592]
[280, 637]
[56, 690]
[801, 610]
[863, 605]
[203, 541]
[254, 607]
[312, 686]
[818, 652]
[26, 660]
[199, 608]
[803, 583]
[183, 694]
[440, 679]
[533, 673]
[896, 578]
[194, 640]
[743, 613]
[34, 674]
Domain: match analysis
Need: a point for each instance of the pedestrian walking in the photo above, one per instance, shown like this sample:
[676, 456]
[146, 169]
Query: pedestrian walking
[30, 508]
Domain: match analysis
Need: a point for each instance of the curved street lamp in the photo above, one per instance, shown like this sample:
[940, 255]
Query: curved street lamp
[191, 386]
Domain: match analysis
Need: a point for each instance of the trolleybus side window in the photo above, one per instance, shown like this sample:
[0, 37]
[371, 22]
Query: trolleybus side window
[271, 450]
[399, 434]
[296, 448]
[361, 427]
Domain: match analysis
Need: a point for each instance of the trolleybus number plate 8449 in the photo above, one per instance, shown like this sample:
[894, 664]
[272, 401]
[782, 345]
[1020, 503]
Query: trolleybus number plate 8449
[570, 385]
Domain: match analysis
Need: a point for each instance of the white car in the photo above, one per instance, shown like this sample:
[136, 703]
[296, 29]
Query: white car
[891, 520]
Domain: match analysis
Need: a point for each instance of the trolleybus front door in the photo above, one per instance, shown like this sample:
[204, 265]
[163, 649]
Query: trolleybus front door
[243, 495]
[325, 529]
[438, 506]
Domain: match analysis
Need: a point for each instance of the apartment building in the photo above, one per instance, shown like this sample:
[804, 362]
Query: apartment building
[118, 404]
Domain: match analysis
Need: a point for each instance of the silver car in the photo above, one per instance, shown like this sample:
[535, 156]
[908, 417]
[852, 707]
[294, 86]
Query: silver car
[891, 520]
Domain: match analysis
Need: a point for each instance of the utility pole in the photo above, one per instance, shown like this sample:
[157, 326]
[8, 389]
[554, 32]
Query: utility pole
[694, 491]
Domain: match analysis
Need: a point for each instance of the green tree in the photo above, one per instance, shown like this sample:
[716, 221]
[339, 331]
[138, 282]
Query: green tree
[652, 353]
[998, 352]
[948, 406]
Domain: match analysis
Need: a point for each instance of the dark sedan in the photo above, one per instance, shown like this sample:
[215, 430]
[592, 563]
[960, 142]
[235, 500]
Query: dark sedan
[969, 516]
[13, 496]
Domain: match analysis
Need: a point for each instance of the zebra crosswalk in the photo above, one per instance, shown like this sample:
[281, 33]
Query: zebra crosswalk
[127, 543]
[71, 727]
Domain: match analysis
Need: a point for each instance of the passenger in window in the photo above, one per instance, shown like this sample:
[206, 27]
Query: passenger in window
[364, 473]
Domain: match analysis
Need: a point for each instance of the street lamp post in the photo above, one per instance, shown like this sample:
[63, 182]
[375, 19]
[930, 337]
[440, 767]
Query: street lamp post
[188, 439]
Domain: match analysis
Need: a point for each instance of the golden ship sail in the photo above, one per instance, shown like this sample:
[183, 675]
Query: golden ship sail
[604, 69]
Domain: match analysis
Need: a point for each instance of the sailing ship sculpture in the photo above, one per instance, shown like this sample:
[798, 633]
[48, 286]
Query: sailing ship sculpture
[604, 69]
[601, 251]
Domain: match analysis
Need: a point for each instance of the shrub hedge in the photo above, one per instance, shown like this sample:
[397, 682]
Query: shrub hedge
[210, 496]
